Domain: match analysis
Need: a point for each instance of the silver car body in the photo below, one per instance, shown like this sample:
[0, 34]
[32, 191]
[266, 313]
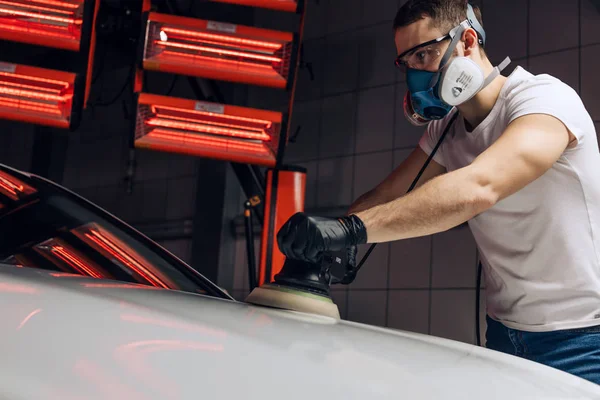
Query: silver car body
[72, 337]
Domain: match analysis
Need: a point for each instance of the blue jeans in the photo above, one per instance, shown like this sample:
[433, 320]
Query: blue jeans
[576, 351]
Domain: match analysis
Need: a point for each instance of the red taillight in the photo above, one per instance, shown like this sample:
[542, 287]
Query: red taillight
[36, 95]
[14, 188]
[207, 129]
[69, 260]
[120, 253]
[217, 51]
[51, 23]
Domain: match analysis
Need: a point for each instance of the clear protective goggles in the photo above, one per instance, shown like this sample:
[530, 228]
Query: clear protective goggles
[424, 56]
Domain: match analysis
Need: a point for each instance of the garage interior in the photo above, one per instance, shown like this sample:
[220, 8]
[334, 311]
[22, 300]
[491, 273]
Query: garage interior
[347, 131]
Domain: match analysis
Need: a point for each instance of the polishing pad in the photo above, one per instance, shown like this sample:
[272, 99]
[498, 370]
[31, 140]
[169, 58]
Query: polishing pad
[295, 299]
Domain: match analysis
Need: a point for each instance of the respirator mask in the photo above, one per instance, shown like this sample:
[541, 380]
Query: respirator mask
[432, 95]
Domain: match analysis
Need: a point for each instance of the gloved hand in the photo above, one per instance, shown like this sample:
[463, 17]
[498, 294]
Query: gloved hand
[305, 238]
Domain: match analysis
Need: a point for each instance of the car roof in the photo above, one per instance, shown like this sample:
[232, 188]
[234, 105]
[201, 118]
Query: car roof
[69, 336]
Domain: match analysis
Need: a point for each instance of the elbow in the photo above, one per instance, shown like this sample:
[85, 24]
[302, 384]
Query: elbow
[484, 195]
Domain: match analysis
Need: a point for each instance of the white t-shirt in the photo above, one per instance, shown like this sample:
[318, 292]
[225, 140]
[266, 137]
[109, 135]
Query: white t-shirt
[540, 247]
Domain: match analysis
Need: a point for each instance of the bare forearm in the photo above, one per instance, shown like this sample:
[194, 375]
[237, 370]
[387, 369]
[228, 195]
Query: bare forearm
[368, 200]
[440, 204]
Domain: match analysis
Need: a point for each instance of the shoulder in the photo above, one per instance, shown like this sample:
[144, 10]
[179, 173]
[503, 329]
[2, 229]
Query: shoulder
[525, 93]
[522, 87]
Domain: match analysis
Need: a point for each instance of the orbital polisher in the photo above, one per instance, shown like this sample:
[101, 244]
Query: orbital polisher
[305, 287]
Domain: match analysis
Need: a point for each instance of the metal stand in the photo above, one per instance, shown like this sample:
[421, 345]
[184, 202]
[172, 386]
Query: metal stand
[250, 245]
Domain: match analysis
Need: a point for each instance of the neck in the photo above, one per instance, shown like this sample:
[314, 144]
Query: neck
[478, 108]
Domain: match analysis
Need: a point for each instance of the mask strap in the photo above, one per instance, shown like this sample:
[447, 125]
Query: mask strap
[456, 35]
[496, 72]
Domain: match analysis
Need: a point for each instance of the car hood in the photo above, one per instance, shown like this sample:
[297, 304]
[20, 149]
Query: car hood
[68, 337]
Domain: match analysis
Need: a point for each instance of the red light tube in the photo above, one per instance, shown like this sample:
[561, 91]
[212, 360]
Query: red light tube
[217, 50]
[50, 23]
[207, 129]
[208, 141]
[113, 248]
[159, 122]
[219, 39]
[75, 262]
[68, 259]
[36, 95]
[220, 52]
[14, 188]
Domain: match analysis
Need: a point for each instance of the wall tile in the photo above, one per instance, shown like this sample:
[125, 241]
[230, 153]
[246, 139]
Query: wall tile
[590, 23]
[130, 206]
[155, 200]
[454, 259]
[400, 156]
[563, 65]
[367, 306]
[181, 197]
[267, 98]
[340, 298]
[307, 117]
[311, 87]
[151, 165]
[377, 53]
[408, 310]
[240, 281]
[180, 248]
[341, 63]
[374, 11]
[315, 24]
[106, 198]
[410, 263]
[343, 15]
[181, 165]
[370, 170]
[590, 80]
[543, 34]
[375, 120]
[374, 274]
[406, 135]
[337, 126]
[452, 314]
[334, 187]
[310, 196]
[502, 42]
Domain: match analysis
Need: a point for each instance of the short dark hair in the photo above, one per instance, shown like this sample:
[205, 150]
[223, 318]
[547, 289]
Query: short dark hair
[445, 14]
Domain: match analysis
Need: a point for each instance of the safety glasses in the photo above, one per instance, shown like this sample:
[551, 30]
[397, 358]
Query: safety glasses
[422, 56]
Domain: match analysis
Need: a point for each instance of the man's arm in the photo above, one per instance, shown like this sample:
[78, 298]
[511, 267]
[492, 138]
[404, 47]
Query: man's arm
[524, 152]
[397, 183]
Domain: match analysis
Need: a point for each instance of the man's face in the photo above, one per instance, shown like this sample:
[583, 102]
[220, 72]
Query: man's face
[426, 58]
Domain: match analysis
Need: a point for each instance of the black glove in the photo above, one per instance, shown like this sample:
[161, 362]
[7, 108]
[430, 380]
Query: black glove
[306, 238]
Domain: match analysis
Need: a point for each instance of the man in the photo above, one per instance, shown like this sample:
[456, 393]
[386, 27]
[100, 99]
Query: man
[519, 163]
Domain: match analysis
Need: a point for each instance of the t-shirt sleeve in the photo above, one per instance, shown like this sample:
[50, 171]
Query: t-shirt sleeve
[551, 97]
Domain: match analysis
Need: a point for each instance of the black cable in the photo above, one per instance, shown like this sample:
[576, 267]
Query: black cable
[414, 183]
[477, 298]
[121, 91]
[173, 82]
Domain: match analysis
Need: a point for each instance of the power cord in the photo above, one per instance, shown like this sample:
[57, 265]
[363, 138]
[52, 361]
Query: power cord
[413, 185]
[477, 298]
